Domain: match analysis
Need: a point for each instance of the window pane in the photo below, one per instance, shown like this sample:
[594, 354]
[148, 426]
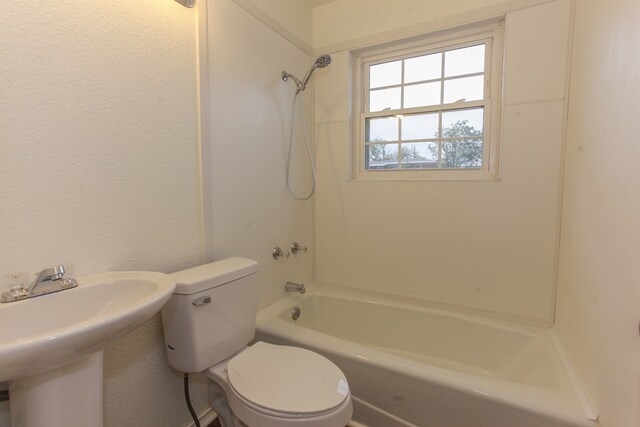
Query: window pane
[382, 129]
[462, 153]
[386, 74]
[463, 123]
[420, 155]
[467, 60]
[426, 67]
[469, 89]
[420, 126]
[382, 156]
[384, 98]
[421, 95]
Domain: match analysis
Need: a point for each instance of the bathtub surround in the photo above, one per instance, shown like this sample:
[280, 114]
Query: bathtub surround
[598, 290]
[595, 297]
[249, 211]
[598, 295]
[476, 244]
[98, 165]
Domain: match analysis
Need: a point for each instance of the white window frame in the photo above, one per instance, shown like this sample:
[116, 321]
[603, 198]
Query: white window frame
[492, 36]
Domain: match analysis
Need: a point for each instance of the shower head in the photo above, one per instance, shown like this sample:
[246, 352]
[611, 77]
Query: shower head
[320, 62]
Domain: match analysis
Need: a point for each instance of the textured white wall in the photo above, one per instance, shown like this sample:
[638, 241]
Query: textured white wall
[99, 163]
[481, 244]
[598, 289]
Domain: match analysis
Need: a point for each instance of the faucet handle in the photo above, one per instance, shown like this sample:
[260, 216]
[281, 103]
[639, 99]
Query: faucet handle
[297, 247]
[17, 287]
[278, 253]
[53, 273]
[16, 283]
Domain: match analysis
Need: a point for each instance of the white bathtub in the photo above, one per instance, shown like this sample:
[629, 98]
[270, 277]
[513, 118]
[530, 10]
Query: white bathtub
[409, 365]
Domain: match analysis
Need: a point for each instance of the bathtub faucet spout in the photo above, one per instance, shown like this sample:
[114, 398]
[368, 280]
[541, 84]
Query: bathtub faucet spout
[294, 287]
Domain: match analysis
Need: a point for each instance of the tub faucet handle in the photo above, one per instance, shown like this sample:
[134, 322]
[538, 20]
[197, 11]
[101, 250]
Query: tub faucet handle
[297, 247]
[279, 253]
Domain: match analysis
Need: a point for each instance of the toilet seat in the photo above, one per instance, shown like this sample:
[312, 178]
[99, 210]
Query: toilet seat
[287, 380]
[239, 400]
[272, 385]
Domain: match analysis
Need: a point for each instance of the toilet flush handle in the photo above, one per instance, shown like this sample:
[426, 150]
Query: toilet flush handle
[202, 300]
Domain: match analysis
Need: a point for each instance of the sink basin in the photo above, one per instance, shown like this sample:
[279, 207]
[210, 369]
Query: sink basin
[51, 346]
[47, 332]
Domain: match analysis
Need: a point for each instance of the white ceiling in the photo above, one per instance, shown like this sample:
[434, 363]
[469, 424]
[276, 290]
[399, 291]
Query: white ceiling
[316, 3]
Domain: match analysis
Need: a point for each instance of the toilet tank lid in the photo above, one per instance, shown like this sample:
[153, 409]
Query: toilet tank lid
[207, 276]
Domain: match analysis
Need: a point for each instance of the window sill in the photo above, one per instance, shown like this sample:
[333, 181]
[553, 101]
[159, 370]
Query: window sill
[482, 175]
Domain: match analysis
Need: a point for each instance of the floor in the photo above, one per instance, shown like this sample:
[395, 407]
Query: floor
[216, 423]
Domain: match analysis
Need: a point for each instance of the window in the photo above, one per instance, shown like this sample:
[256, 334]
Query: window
[429, 110]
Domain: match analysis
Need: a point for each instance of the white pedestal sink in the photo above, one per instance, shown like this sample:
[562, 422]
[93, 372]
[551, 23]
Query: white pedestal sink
[51, 346]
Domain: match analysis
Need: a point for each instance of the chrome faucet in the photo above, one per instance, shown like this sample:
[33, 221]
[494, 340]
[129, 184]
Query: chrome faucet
[294, 287]
[46, 275]
[48, 281]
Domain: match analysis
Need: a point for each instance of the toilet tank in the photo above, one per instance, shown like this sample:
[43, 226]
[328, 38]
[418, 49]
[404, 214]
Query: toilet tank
[211, 314]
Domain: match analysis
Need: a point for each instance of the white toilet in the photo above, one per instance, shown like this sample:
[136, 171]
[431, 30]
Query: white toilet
[208, 323]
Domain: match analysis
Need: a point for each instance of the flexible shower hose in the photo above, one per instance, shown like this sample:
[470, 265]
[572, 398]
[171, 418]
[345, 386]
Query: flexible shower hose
[306, 140]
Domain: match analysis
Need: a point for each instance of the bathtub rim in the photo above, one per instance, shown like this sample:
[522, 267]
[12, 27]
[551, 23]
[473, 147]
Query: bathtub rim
[574, 405]
[393, 300]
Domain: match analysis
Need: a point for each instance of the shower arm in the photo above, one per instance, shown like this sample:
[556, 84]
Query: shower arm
[286, 76]
[307, 77]
[320, 62]
[300, 84]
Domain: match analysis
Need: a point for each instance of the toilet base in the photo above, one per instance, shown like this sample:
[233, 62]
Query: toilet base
[218, 401]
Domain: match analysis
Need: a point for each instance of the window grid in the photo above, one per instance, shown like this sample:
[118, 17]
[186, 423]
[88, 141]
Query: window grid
[439, 108]
[420, 82]
[442, 65]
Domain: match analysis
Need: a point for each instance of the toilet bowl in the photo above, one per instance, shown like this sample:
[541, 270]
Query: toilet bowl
[208, 323]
